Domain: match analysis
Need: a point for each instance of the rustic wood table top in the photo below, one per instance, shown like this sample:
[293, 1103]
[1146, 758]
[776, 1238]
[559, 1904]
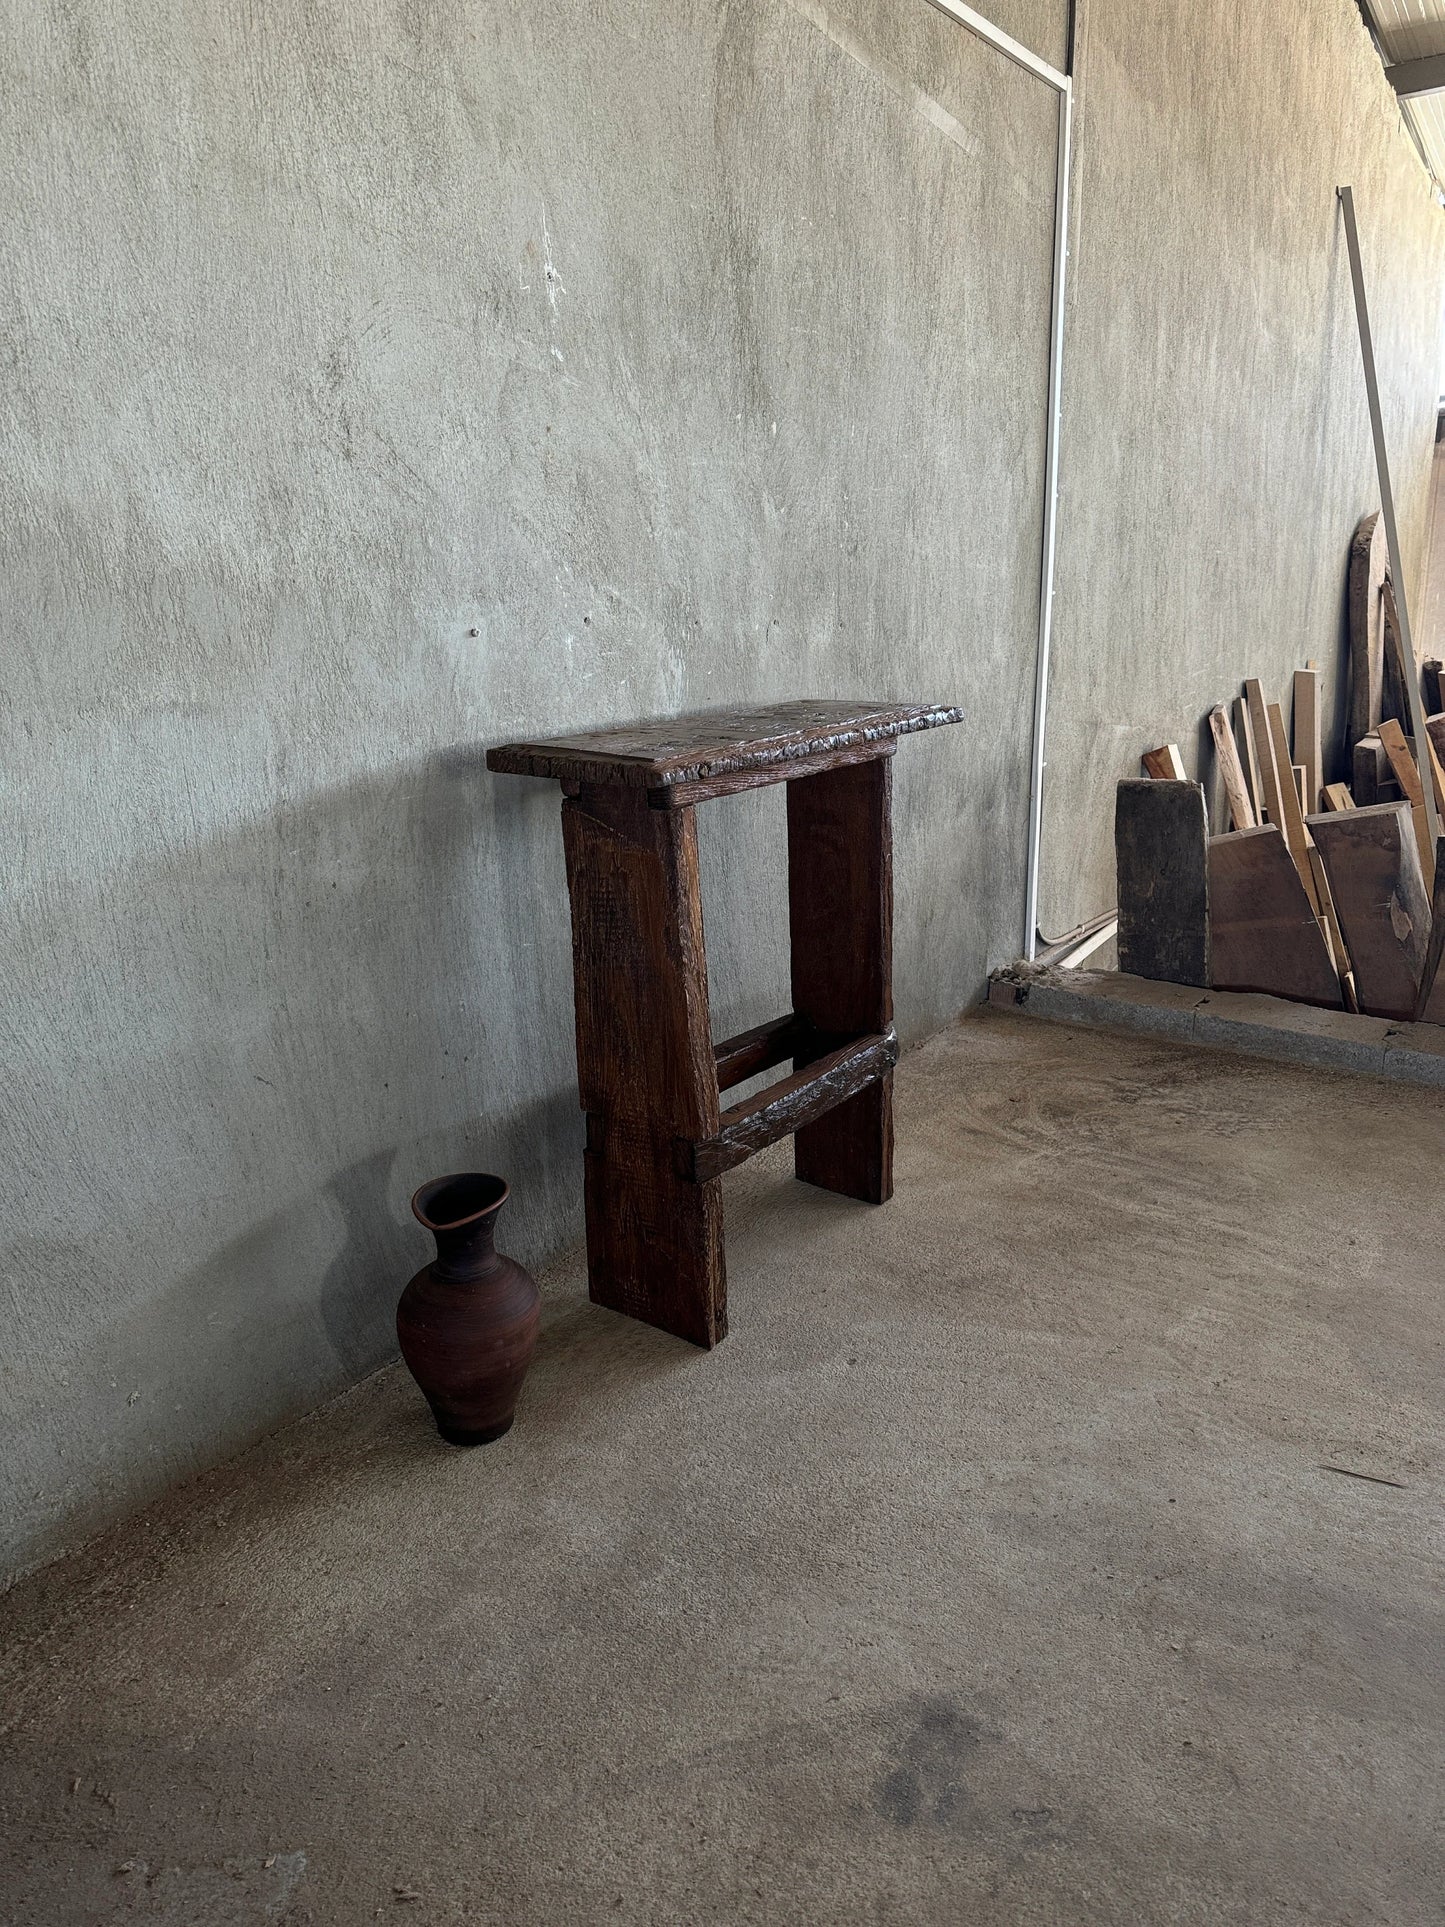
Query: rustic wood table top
[690, 749]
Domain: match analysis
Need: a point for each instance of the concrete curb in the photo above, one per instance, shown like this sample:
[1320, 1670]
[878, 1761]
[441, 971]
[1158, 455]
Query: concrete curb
[1257, 1026]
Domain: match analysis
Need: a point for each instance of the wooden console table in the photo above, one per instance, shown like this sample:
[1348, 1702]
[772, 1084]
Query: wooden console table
[648, 1072]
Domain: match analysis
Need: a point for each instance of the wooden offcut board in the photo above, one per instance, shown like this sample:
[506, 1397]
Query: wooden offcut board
[1263, 932]
[1161, 845]
[1373, 865]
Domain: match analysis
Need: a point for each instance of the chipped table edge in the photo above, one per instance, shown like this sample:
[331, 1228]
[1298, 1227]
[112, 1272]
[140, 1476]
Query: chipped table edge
[553, 762]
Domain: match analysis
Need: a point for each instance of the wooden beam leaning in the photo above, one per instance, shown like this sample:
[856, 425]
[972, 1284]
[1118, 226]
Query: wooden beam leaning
[1306, 856]
[1231, 770]
[1392, 739]
[1425, 753]
[1161, 852]
[1337, 797]
[1269, 774]
[1397, 693]
[1392, 735]
[1308, 749]
[1291, 818]
[1263, 932]
[1329, 918]
[1244, 734]
[788, 1106]
[1373, 864]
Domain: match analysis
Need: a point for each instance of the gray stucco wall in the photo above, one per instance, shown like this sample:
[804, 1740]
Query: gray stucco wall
[390, 380]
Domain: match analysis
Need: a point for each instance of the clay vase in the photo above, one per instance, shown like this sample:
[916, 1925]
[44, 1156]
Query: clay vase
[467, 1322]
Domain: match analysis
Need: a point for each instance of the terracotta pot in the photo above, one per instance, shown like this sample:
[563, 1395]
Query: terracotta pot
[467, 1322]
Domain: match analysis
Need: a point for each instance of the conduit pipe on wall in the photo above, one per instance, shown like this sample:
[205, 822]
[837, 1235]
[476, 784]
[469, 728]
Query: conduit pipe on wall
[965, 16]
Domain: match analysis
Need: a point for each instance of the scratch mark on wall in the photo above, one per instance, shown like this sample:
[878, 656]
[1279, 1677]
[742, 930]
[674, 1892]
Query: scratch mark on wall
[897, 83]
[549, 266]
[555, 286]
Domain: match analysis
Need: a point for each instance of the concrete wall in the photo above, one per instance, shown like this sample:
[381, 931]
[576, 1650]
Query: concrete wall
[390, 379]
[1217, 442]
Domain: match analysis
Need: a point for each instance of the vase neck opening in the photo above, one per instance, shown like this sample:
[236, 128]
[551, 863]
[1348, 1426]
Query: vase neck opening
[459, 1203]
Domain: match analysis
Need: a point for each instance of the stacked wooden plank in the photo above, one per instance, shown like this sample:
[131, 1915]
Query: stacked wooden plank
[1322, 891]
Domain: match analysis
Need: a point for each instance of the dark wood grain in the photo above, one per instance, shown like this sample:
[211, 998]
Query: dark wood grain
[741, 1057]
[700, 748]
[1161, 853]
[794, 1104]
[840, 918]
[1263, 935]
[1373, 863]
[648, 1074]
[645, 1067]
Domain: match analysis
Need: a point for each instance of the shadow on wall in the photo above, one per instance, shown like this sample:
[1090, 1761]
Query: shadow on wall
[268, 1041]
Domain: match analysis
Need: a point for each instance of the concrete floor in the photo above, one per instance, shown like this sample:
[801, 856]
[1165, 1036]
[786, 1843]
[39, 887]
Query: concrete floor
[989, 1572]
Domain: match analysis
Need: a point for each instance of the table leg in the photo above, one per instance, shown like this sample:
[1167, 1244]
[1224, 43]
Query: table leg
[840, 915]
[645, 1070]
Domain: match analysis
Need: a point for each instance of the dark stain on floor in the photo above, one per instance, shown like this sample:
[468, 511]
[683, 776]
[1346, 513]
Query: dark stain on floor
[925, 1781]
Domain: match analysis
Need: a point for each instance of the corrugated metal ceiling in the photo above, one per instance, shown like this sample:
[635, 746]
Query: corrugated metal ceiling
[1413, 30]
[1409, 29]
[1426, 114]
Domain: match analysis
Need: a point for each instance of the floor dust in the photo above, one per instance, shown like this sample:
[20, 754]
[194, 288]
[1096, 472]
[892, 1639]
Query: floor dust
[997, 1568]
